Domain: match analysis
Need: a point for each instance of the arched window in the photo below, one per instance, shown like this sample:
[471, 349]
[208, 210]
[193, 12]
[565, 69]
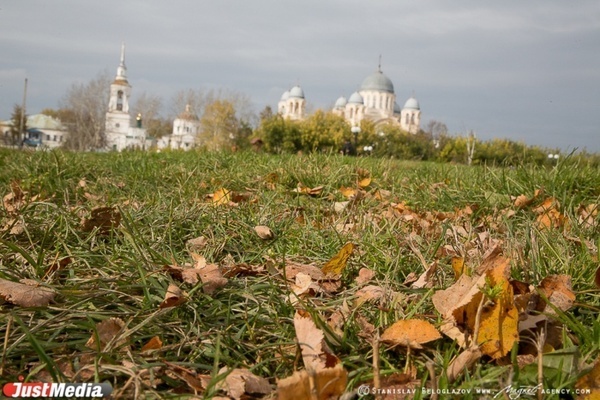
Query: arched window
[406, 119]
[351, 112]
[120, 100]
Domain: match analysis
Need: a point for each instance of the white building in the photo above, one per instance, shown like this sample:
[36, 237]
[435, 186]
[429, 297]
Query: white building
[185, 132]
[292, 104]
[376, 101]
[42, 131]
[120, 135]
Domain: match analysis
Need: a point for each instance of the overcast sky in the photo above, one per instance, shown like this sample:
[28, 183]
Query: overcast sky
[524, 70]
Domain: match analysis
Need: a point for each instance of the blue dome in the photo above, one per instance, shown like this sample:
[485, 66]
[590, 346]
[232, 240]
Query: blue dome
[356, 98]
[297, 92]
[379, 82]
[341, 102]
[412, 104]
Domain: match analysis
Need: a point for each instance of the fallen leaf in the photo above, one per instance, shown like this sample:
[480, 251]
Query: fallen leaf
[590, 381]
[309, 191]
[173, 297]
[463, 362]
[364, 276]
[426, 278]
[104, 219]
[240, 382]
[303, 285]
[105, 332]
[365, 182]
[196, 244]
[588, 215]
[153, 344]
[458, 266]
[29, 293]
[210, 274]
[370, 292]
[14, 200]
[410, 333]
[336, 265]
[549, 215]
[558, 290]
[327, 384]
[315, 353]
[597, 277]
[264, 232]
[221, 197]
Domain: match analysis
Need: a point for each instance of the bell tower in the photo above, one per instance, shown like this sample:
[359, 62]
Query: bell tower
[118, 119]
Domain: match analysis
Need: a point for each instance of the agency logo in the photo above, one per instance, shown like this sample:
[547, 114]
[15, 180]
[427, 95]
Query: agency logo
[54, 390]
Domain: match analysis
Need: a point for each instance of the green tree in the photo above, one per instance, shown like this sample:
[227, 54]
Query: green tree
[324, 131]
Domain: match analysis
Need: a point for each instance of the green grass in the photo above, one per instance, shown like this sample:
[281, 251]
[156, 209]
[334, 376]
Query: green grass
[162, 198]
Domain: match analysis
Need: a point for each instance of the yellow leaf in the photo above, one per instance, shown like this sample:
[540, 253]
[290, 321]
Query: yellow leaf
[410, 333]
[458, 266]
[363, 183]
[348, 191]
[336, 265]
[221, 196]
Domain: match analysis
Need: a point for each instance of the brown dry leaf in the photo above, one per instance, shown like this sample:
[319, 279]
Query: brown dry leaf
[315, 353]
[588, 214]
[336, 265]
[426, 278]
[597, 277]
[364, 276]
[14, 226]
[590, 381]
[106, 331]
[15, 200]
[103, 218]
[197, 382]
[292, 269]
[153, 344]
[367, 329]
[303, 285]
[328, 384]
[196, 244]
[464, 361]
[173, 297]
[558, 291]
[57, 265]
[549, 215]
[410, 333]
[398, 386]
[264, 232]
[240, 382]
[29, 293]
[242, 269]
[458, 266]
[210, 274]
[370, 292]
[316, 191]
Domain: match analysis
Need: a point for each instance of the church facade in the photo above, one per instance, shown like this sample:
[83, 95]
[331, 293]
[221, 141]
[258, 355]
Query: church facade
[375, 100]
[119, 133]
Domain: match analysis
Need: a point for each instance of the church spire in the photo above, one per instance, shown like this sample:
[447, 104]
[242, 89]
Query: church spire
[122, 69]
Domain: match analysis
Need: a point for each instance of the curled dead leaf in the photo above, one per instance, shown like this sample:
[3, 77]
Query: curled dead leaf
[153, 344]
[337, 264]
[173, 297]
[240, 382]
[264, 232]
[410, 333]
[29, 293]
[324, 384]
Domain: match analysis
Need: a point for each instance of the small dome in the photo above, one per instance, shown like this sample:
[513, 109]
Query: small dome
[397, 109]
[285, 95]
[356, 98]
[412, 104]
[188, 114]
[341, 102]
[379, 82]
[297, 92]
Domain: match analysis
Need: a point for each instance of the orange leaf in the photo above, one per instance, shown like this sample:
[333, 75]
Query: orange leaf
[221, 197]
[458, 266]
[348, 191]
[153, 344]
[173, 297]
[410, 333]
[363, 183]
[336, 265]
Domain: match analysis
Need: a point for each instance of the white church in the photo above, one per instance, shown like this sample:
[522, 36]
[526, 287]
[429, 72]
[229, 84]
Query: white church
[375, 100]
[119, 133]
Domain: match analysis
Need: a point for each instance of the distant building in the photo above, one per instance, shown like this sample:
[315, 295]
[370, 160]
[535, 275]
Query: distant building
[292, 104]
[375, 100]
[185, 132]
[42, 131]
[120, 135]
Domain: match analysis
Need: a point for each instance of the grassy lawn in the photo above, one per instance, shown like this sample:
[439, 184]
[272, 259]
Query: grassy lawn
[178, 209]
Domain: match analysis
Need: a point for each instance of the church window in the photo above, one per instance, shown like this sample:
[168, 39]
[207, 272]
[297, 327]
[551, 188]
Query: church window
[380, 102]
[406, 119]
[120, 100]
[412, 118]
[117, 125]
[351, 112]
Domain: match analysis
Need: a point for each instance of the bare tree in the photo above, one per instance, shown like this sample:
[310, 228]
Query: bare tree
[149, 108]
[87, 104]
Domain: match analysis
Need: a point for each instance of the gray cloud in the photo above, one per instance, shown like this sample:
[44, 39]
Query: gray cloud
[523, 70]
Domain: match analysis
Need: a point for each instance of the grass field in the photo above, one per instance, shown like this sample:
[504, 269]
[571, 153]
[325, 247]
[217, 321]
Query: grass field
[184, 209]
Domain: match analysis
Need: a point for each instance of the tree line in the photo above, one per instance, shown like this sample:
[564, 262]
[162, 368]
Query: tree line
[227, 120]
